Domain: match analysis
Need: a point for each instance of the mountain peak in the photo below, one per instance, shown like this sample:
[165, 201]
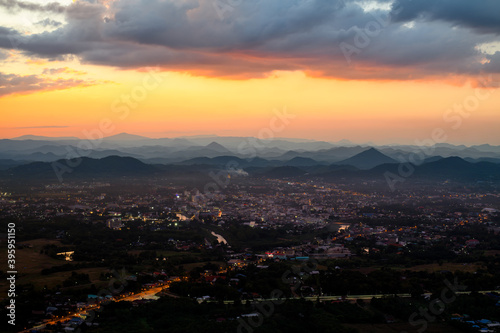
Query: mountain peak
[372, 151]
[217, 147]
[368, 159]
[125, 136]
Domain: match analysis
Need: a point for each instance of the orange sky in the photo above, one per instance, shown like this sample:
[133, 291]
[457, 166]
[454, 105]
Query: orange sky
[68, 96]
[176, 104]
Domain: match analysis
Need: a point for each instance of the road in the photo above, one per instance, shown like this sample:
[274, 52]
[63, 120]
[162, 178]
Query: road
[84, 312]
[150, 294]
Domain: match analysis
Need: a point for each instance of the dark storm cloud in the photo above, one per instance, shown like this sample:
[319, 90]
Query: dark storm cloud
[253, 38]
[9, 38]
[193, 24]
[482, 15]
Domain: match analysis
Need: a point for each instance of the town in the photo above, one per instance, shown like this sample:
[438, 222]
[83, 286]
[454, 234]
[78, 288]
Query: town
[248, 243]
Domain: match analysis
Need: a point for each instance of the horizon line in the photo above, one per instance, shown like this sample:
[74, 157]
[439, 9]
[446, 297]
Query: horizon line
[201, 136]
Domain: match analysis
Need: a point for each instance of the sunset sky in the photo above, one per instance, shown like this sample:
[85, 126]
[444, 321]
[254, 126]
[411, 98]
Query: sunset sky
[367, 71]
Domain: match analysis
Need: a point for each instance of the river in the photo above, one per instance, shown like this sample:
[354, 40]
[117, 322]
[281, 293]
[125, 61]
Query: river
[220, 238]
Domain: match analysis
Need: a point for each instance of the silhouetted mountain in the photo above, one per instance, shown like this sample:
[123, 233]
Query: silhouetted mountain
[301, 162]
[283, 172]
[487, 148]
[331, 155]
[344, 143]
[277, 152]
[231, 162]
[260, 162]
[60, 150]
[13, 146]
[233, 143]
[42, 157]
[45, 138]
[125, 137]
[483, 159]
[368, 159]
[111, 166]
[218, 148]
[450, 168]
[219, 160]
[7, 164]
[433, 159]
[458, 169]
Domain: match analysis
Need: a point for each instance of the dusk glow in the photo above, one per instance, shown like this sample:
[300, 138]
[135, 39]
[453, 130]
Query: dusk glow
[287, 166]
[367, 71]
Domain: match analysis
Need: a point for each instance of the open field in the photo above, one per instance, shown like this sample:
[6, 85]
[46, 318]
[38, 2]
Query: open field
[30, 262]
[191, 266]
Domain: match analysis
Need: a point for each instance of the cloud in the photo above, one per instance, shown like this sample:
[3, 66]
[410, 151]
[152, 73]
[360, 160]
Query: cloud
[18, 84]
[14, 5]
[349, 40]
[32, 127]
[483, 16]
[48, 23]
[64, 70]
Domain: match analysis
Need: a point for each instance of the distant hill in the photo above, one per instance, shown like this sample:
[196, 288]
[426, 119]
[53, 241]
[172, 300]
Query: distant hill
[449, 168]
[7, 164]
[331, 155]
[458, 169]
[301, 162]
[109, 167]
[45, 138]
[218, 148]
[219, 160]
[198, 169]
[254, 162]
[125, 137]
[284, 172]
[433, 159]
[483, 159]
[368, 159]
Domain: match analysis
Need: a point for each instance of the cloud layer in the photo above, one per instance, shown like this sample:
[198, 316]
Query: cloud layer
[19, 84]
[340, 39]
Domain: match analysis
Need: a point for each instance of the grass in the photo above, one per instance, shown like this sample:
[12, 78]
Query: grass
[191, 266]
[30, 262]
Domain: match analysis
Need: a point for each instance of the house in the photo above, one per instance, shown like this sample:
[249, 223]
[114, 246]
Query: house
[472, 243]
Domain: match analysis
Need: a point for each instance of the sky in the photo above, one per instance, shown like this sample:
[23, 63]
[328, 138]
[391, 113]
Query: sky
[381, 71]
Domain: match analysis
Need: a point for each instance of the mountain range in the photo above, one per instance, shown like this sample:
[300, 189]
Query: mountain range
[112, 167]
[139, 155]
